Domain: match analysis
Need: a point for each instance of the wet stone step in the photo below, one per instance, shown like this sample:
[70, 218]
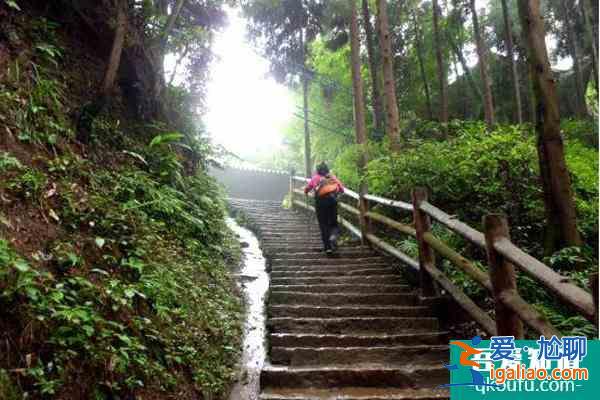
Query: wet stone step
[338, 299]
[308, 311]
[352, 325]
[341, 288]
[327, 267]
[397, 355]
[365, 279]
[333, 272]
[342, 252]
[409, 376]
[288, 339]
[353, 393]
[328, 260]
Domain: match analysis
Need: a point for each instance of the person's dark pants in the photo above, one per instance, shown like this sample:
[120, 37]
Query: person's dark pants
[326, 208]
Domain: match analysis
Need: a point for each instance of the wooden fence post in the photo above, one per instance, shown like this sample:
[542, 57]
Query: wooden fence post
[292, 174]
[426, 255]
[363, 208]
[502, 275]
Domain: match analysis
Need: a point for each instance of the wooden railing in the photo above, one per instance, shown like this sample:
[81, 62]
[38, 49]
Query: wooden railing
[511, 310]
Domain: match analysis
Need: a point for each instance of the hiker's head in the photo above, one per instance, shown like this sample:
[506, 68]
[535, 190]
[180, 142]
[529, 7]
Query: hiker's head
[322, 169]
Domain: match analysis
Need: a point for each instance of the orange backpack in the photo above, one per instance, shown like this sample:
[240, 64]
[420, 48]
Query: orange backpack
[326, 186]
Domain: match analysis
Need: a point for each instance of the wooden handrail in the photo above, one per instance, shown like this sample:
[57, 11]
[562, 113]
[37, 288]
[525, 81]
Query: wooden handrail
[558, 284]
[301, 179]
[458, 260]
[511, 308]
[388, 248]
[409, 230]
[349, 208]
[479, 315]
[473, 235]
[351, 193]
[392, 203]
[352, 228]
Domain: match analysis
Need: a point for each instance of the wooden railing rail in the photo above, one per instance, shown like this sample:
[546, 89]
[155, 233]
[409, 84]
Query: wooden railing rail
[512, 311]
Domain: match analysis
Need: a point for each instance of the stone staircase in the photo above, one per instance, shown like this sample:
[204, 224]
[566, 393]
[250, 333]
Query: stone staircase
[344, 327]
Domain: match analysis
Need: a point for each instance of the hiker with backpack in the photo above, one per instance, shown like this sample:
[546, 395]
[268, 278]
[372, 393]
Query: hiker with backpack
[326, 187]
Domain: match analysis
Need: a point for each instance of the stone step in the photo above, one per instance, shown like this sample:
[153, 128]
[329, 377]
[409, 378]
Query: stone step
[396, 355]
[279, 250]
[343, 288]
[366, 279]
[333, 272]
[324, 260]
[368, 375]
[352, 325]
[353, 393]
[329, 267]
[288, 339]
[342, 252]
[310, 311]
[339, 299]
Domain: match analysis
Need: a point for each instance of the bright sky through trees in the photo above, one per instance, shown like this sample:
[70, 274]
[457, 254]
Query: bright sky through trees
[247, 109]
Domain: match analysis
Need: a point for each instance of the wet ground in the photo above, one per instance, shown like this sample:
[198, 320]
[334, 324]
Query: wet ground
[254, 283]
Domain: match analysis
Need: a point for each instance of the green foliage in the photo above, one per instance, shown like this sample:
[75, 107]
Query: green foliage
[148, 295]
[475, 172]
[9, 163]
[8, 390]
[12, 4]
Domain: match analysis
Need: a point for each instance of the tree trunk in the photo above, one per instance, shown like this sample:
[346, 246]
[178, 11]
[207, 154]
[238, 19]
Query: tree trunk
[379, 118]
[567, 9]
[585, 15]
[176, 66]
[419, 46]
[392, 119]
[357, 84]
[442, 76]
[117, 49]
[513, 65]
[488, 99]
[463, 63]
[460, 84]
[307, 152]
[556, 182]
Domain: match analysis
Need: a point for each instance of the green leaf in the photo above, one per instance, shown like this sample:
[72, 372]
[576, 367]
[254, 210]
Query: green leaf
[12, 4]
[100, 242]
[21, 266]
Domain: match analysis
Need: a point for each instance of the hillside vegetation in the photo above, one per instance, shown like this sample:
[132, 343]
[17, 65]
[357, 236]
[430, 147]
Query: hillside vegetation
[115, 258]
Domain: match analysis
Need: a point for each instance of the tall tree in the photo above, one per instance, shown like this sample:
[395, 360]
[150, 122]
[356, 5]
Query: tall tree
[593, 39]
[568, 8]
[357, 84]
[513, 64]
[117, 48]
[442, 73]
[556, 182]
[391, 105]
[488, 99]
[378, 111]
[359, 105]
[420, 56]
[305, 88]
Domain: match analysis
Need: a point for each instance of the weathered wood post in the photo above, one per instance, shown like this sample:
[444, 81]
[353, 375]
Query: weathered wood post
[292, 174]
[502, 275]
[426, 254]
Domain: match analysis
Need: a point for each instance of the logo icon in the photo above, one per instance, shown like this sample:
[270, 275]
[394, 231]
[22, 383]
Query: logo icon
[468, 351]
